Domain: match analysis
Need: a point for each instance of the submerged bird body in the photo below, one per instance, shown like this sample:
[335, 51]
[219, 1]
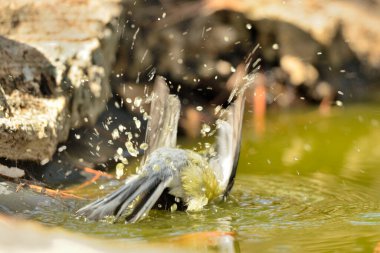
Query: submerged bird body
[193, 179]
[186, 174]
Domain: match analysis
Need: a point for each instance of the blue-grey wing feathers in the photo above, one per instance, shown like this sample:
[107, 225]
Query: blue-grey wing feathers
[145, 189]
[163, 122]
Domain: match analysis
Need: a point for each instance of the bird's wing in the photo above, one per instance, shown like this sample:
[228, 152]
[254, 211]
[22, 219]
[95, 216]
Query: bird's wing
[145, 190]
[228, 143]
[163, 122]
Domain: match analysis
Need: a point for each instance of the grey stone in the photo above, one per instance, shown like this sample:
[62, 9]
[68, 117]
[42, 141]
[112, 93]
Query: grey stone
[54, 69]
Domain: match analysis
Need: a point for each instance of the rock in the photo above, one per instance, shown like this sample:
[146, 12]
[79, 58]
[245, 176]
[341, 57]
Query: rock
[299, 72]
[24, 202]
[55, 60]
[11, 172]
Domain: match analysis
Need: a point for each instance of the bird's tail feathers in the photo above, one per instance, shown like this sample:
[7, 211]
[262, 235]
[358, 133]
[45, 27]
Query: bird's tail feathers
[144, 189]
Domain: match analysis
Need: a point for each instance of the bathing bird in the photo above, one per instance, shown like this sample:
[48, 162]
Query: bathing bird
[169, 175]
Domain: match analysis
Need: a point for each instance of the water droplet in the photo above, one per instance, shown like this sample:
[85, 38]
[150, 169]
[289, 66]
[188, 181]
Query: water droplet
[121, 128]
[134, 37]
[137, 101]
[123, 160]
[44, 161]
[129, 135]
[62, 148]
[119, 170]
[151, 74]
[115, 134]
[205, 129]
[217, 109]
[144, 146]
[173, 207]
[131, 150]
[137, 122]
[145, 116]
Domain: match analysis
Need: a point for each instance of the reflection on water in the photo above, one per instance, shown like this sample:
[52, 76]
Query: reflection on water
[311, 183]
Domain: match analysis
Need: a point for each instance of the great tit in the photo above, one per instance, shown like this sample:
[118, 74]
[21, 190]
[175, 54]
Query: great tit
[192, 179]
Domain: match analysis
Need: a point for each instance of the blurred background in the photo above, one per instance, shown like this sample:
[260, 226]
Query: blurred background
[311, 52]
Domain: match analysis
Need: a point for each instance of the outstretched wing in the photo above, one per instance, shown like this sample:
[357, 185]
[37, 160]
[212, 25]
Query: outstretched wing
[163, 122]
[228, 143]
[144, 189]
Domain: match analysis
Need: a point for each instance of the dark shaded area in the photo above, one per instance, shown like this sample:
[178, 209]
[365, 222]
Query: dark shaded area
[87, 147]
[196, 53]
[166, 201]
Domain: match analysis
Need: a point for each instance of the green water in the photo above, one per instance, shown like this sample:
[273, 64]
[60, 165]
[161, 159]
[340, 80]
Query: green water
[310, 183]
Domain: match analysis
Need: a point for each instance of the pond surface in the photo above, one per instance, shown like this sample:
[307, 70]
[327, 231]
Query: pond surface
[310, 183]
